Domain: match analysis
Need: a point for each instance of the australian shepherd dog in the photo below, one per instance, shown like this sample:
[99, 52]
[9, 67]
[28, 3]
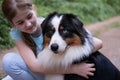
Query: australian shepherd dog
[67, 42]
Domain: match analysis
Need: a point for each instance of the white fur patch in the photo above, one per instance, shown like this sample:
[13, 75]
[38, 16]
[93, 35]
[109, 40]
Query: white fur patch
[56, 21]
[56, 38]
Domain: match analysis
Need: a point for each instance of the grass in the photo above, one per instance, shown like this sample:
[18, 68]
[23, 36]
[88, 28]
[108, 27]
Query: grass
[115, 25]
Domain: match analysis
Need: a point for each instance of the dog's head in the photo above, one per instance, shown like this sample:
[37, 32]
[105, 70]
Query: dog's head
[62, 31]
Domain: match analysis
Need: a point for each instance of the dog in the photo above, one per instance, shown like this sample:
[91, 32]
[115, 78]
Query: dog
[67, 42]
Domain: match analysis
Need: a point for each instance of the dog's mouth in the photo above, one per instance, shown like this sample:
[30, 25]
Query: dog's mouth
[55, 48]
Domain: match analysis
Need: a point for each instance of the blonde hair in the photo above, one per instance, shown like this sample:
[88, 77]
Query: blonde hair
[10, 9]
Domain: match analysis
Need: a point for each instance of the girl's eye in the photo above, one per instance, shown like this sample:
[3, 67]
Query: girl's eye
[20, 23]
[29, 16]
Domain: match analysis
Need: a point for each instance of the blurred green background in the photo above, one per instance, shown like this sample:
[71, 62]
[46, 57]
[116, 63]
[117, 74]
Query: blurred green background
[89, 11]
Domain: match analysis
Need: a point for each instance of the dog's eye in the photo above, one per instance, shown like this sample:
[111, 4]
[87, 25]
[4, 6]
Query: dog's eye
[49, 33]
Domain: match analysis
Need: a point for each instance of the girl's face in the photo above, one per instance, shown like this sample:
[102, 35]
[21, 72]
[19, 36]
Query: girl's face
[26, 21]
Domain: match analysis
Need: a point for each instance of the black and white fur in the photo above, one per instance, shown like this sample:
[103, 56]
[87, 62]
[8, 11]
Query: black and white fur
[67, 42]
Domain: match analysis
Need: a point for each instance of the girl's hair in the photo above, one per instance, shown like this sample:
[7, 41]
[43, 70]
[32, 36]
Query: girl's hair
[10, 9]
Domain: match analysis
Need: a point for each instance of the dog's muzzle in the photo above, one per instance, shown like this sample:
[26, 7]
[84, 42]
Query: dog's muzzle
[54, 47]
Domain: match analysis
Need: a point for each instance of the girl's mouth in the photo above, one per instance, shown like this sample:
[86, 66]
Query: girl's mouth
[31, 28]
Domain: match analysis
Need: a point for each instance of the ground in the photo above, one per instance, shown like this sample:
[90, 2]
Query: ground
[108, 31]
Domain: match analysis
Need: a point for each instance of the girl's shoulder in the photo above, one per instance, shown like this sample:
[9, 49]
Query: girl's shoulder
[14, 29]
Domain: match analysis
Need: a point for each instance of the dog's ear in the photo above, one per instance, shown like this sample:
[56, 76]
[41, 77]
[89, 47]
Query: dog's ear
[73, 19]
[76, 21]
[78, 26]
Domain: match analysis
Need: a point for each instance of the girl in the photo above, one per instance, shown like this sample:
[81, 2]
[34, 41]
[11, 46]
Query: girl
[27, 35]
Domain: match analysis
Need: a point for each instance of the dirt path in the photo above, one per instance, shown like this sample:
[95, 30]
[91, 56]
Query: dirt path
[111, 45]
[109, 36]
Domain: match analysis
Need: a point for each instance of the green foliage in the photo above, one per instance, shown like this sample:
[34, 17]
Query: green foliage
[87, 10]
[5, 40]
[115, 4]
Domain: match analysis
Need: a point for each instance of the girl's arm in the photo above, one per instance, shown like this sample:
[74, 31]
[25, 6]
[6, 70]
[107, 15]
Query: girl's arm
[82, 69]
[97, 43]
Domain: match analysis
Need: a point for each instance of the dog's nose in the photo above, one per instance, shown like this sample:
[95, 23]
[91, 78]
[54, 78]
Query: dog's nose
[54, 47]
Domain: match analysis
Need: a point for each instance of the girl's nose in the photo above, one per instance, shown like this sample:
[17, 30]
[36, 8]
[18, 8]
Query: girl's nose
[28, 23]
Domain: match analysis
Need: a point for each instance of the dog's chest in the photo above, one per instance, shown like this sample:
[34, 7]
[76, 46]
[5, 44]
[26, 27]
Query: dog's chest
[62, 60]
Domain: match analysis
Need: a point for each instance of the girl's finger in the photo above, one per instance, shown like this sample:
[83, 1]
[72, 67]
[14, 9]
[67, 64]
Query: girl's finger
[92, 69]
[91, 74]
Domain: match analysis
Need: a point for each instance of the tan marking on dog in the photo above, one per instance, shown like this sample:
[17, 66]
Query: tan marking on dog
[61, 27]
[75, 41]
[46, 41]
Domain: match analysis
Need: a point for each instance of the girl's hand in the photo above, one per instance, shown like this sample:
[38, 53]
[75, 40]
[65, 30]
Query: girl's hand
[83, 69]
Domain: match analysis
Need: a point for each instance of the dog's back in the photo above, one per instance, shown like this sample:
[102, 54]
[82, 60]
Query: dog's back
[105, 70]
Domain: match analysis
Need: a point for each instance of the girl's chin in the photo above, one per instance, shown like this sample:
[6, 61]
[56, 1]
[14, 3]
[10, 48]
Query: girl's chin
[33, 31]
